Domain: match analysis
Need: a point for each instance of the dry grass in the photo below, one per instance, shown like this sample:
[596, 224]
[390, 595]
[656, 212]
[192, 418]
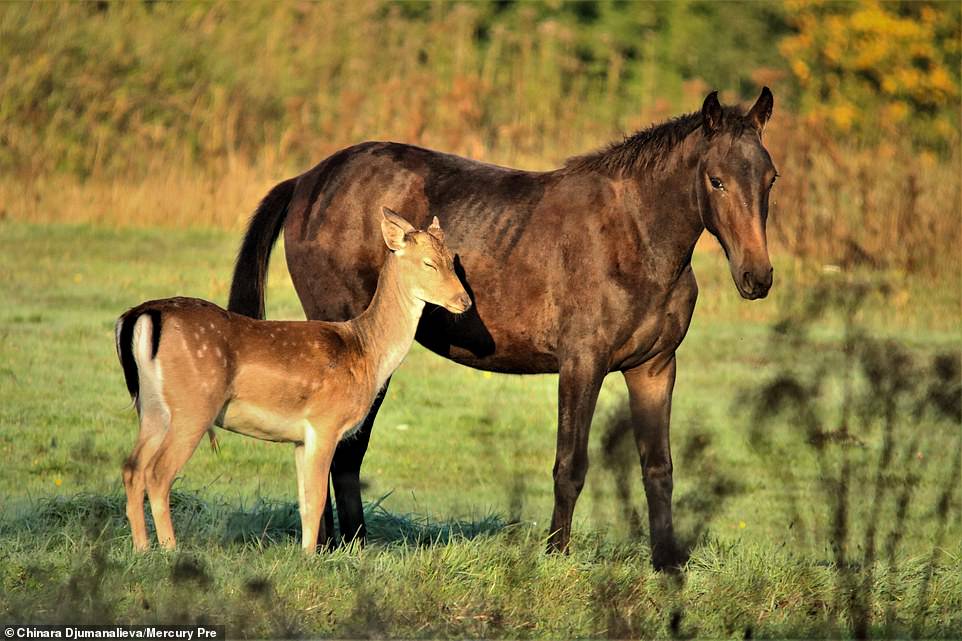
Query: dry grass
[195, 110]
[173, 198]
[884, 208]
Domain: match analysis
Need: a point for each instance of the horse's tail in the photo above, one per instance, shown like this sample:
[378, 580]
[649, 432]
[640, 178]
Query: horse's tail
[250, 270]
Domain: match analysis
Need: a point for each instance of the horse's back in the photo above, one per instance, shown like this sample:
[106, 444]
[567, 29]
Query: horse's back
[334, 215]
[355, 182]
[528, 246]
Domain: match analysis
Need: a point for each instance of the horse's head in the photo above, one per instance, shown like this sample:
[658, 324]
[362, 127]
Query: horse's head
[734, 179]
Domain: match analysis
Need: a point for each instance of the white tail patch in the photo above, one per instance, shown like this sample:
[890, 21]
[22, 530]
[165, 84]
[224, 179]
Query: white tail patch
[149, 371]
[117, 327]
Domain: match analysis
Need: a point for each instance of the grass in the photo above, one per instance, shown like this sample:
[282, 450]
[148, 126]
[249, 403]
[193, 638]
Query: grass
[781, 424]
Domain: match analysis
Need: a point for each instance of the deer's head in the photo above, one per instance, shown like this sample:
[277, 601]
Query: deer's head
[425, 263]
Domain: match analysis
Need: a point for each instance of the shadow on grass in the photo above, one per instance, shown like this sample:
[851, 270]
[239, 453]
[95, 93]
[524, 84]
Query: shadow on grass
[861, 440]
[94, 585]
[712, 484]
[868, 418]
[267, 522]
[270, 522]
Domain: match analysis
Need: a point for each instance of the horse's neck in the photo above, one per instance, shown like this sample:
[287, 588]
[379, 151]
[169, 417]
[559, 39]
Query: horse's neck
[386, 328]
[669, 215]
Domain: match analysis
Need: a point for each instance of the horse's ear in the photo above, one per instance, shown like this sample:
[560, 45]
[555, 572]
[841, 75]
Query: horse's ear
[395, 230]
[711, 113]
[435, 229]
[761, 111]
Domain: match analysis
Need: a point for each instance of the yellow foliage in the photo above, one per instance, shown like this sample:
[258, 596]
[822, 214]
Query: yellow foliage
[872, 66]
[843, 114]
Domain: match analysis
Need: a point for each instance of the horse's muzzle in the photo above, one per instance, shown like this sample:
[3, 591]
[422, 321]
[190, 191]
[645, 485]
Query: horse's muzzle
[755, 285]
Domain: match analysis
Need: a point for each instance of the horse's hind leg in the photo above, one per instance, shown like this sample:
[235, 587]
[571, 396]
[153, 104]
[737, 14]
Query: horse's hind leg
[346, 477]
[152, 428]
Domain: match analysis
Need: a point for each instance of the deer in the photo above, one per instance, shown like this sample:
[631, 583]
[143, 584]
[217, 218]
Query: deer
[190, 365]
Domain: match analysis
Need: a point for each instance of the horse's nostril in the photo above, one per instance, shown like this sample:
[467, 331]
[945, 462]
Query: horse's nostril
[748, 281]
[769, 278]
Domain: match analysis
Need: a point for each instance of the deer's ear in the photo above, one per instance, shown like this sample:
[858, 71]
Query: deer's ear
[711, 113]
[395, 230]
[435, 229]
[761, 111]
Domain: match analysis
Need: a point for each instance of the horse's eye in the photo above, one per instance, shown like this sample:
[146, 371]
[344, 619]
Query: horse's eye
[430, 265]
[716, 183]
[774, 179]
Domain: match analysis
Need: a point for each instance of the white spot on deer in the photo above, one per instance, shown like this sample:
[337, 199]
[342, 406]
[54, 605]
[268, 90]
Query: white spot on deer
[219, 352]
[211, 325]
[199, 354]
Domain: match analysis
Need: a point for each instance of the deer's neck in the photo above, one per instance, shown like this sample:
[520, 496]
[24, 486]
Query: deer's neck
[386, 328]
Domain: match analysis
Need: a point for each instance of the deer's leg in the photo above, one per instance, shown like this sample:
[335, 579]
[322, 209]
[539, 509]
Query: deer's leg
[314, 466]
[179, 442]
[302, 506]
[152, 427]
[299, 462]
[649, 389]
[579, 382]
[346, 476]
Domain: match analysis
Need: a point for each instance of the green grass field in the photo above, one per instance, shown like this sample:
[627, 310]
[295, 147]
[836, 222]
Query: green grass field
[817, 472]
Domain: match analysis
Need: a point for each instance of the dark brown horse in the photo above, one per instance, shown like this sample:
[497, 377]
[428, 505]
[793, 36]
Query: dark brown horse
[582, 271]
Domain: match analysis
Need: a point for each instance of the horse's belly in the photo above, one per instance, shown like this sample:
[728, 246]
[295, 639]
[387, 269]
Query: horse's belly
[494, 344]
[507, 362]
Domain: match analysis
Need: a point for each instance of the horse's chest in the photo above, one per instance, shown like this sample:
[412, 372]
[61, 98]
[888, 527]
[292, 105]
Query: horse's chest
[657, 328]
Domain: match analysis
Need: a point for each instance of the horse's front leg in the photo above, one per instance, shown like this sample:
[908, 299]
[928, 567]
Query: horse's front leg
[579, 382]
[649, 390]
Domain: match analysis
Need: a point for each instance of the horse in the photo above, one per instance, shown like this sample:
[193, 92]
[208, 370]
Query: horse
[582, 271]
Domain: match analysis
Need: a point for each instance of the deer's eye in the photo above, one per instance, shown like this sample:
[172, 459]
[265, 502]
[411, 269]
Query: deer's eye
[716, 183]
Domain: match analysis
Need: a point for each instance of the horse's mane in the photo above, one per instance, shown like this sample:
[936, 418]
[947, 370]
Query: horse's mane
[651, 147]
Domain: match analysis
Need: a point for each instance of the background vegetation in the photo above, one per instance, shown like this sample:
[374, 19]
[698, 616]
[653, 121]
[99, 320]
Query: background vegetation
[817, 440]
[106, 110]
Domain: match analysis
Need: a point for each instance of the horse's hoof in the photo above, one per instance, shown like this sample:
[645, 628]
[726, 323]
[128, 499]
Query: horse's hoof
[668, 559]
